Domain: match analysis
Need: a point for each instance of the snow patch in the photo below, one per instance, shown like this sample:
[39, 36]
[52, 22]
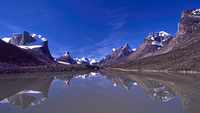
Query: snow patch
[162, 33]
[135, 84]
[134, 49]
[37, 44]
[64, 63]
[196, 12]
[5, 39]
[29, 91]
[30, 47]
[114, 50]
[156, 43]
[4, 101]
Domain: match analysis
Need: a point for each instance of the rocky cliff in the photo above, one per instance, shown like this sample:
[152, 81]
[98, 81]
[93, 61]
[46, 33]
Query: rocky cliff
[187, 28]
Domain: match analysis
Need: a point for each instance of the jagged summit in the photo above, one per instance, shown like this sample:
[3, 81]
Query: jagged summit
[150, 44]
[127, 47]
[66, 59]
[33, 44]
[85, 60]
[116, 55]
[159, 38]
[196, 12]
[26, 40]
[66, 54]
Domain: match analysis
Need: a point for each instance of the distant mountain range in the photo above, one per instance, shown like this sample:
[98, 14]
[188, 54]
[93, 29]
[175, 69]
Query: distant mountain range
[158, 51]
[161, 51]
[116, 55]
[67, 59]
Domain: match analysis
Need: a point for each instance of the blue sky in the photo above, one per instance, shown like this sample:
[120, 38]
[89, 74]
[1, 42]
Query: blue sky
[91, 28]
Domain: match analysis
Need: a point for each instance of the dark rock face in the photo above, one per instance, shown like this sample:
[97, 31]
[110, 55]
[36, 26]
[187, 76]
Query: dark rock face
[11, 55]
[41, 53]
[116, 55]
[21, 100]
[188, 24]
[21, 39]
[150, 44]
[66, 58]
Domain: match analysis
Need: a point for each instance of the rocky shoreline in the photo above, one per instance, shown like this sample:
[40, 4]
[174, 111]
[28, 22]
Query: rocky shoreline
[49, 69]
[162, 71]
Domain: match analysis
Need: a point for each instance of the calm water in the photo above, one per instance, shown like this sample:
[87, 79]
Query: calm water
[100, 92]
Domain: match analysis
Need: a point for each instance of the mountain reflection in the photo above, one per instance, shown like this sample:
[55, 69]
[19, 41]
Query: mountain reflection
[152, 88]
[26, 92]
[163, 87]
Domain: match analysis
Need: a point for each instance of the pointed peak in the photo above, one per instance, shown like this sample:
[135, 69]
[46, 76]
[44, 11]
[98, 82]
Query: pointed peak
[66, 53]
[25, 32]
[126, 46]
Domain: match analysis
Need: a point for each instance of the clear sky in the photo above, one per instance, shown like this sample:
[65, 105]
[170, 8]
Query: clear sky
[91, 28]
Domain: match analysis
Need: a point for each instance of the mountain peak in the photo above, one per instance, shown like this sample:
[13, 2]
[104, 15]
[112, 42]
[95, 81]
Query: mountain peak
[159, 38]
[116, 55]
[126, 46]
[196, 12]
[114, 50]
[66, 53]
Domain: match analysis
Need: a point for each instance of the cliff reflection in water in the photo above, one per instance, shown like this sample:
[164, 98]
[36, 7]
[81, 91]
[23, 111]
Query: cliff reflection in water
[26, 92]
[162, 86]
[152, 88]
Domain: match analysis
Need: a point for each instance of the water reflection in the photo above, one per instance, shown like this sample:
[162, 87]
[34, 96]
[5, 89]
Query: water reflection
[152, 88]
[187, 89]
[26, 92]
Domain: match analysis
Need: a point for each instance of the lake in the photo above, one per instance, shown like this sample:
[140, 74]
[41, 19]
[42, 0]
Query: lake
[104, 91]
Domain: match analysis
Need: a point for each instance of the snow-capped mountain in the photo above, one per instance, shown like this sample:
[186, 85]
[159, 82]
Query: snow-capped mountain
[85, 60]
[26, 41]
[116, 55]
[161, 38]
[14, 56]
[150, 44]
[33, 44]
[66, 59]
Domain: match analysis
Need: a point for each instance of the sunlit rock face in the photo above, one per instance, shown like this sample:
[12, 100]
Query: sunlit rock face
[187, 29]
[21, 39]
[150, 44]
